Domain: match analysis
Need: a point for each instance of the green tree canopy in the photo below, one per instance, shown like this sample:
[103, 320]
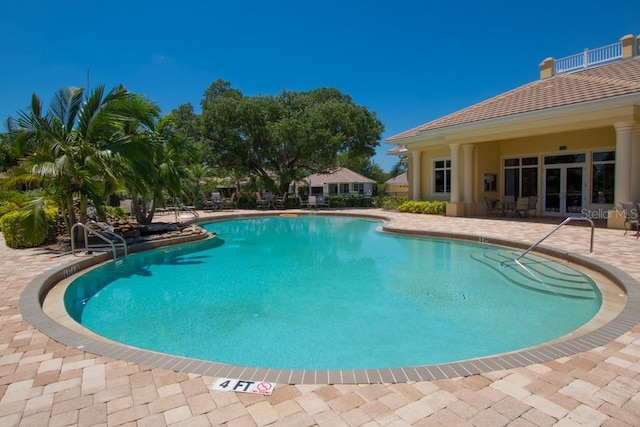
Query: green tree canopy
[285, 136]
[77, 147]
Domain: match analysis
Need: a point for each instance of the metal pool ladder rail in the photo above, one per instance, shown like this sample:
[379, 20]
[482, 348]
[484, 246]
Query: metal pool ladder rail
[189, 210]
[569, 219]
[111, 239]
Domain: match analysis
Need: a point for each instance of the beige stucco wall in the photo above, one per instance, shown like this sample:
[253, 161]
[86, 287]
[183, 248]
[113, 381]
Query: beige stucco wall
[571, 141]
[488, 163]
[426, 166]
[488, 158]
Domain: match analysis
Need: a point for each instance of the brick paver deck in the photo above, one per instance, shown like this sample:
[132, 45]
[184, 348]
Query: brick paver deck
[43, 382]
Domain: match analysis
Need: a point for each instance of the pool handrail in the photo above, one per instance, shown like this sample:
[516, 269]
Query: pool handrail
[566, 221]
[102, 235]
[189, 210]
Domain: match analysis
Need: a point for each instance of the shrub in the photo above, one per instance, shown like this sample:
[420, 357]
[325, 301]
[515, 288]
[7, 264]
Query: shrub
[6, 207]
[21, 230]
[430, 208]
[15, 197]
[115, 212]
[389, 203]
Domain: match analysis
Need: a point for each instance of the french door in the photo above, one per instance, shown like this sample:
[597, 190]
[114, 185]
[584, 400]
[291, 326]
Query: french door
[564, 189]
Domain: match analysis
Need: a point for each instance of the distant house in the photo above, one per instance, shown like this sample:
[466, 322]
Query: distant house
[571, 140]
[398, 186]
[341, 181]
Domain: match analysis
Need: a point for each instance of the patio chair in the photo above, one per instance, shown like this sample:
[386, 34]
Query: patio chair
[322, 202]
[216, 201]
[209, 204]
[227, 203]
[302, 203]
[312, 203]
[630, 217]
[492, 206]
[127, 206]
[522, 207]
[281, 202]
[533, 206]
[261, 203]
[508, 204]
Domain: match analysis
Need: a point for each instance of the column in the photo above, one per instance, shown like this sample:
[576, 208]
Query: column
[635, 164]
[416, 174]
[467, 173]
[455, 171]
[623, 161]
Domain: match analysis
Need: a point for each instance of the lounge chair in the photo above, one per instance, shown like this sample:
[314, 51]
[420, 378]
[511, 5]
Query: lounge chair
[281, 202]
[262, 203]
[127, 206]
[312, 203]
[302, 203]
[209, 205]
[322, 202]
[216, 201]
[227, 203]
[630, 217]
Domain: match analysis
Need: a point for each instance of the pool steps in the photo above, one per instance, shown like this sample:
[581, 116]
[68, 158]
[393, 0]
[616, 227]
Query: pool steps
[539, 274]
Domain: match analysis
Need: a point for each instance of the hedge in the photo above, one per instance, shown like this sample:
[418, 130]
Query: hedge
[15, 226]
[6, 207]
[16, 197]
[430, 208]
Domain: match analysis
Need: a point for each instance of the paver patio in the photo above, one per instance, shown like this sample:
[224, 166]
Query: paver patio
[43, 382]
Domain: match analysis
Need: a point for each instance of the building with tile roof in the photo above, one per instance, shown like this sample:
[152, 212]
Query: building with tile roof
[398, 185]
[340, 181]
[570, 139]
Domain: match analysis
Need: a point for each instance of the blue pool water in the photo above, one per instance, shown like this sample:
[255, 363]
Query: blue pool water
[319, 293]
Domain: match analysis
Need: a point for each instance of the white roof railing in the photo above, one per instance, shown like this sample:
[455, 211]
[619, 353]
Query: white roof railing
[588, 58]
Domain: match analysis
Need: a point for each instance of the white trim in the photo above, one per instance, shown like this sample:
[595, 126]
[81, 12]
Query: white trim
[631, 101]
[433, 176]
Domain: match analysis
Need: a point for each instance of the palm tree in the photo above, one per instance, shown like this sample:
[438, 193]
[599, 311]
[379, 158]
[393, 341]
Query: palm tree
[199, 176]
[76, 148]
[163, 173]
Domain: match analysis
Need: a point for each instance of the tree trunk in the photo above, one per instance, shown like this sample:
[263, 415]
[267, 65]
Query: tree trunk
[137, 210]
[83, 208]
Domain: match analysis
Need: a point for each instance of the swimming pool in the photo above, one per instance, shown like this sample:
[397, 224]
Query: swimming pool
[324, 293]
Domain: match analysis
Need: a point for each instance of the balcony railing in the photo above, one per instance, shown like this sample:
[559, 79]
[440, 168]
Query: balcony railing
[588, 58]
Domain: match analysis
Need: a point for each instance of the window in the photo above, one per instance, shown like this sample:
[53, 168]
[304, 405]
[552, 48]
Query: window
[359, 187]
[603, 177]
[521, 177]
[442, 176]
[344, 188]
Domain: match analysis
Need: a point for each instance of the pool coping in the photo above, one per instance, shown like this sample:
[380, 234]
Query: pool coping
[32, 298]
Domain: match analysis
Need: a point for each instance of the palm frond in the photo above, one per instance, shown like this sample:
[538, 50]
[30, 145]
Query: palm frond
[90, 110]
[35, 220]
[65, 107]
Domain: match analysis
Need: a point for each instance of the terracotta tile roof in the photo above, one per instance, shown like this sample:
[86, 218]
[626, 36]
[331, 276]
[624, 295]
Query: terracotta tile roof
[339, 176]
[398, 150]
[400, 179]
[606, 81]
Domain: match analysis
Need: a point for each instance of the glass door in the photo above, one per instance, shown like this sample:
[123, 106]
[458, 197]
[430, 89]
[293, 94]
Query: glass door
[574, 190]
[552, 191]
[564, 187]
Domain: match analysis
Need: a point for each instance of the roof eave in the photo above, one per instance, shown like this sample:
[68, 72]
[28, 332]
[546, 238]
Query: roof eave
[501, 123]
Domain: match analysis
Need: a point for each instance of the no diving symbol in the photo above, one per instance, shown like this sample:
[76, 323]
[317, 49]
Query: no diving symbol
[263, 388]
[243, 386]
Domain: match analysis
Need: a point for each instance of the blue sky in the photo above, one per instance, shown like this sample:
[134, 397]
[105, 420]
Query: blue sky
[408, 61]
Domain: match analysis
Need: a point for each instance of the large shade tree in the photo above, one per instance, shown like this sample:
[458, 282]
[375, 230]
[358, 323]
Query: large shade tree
[285, 136]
